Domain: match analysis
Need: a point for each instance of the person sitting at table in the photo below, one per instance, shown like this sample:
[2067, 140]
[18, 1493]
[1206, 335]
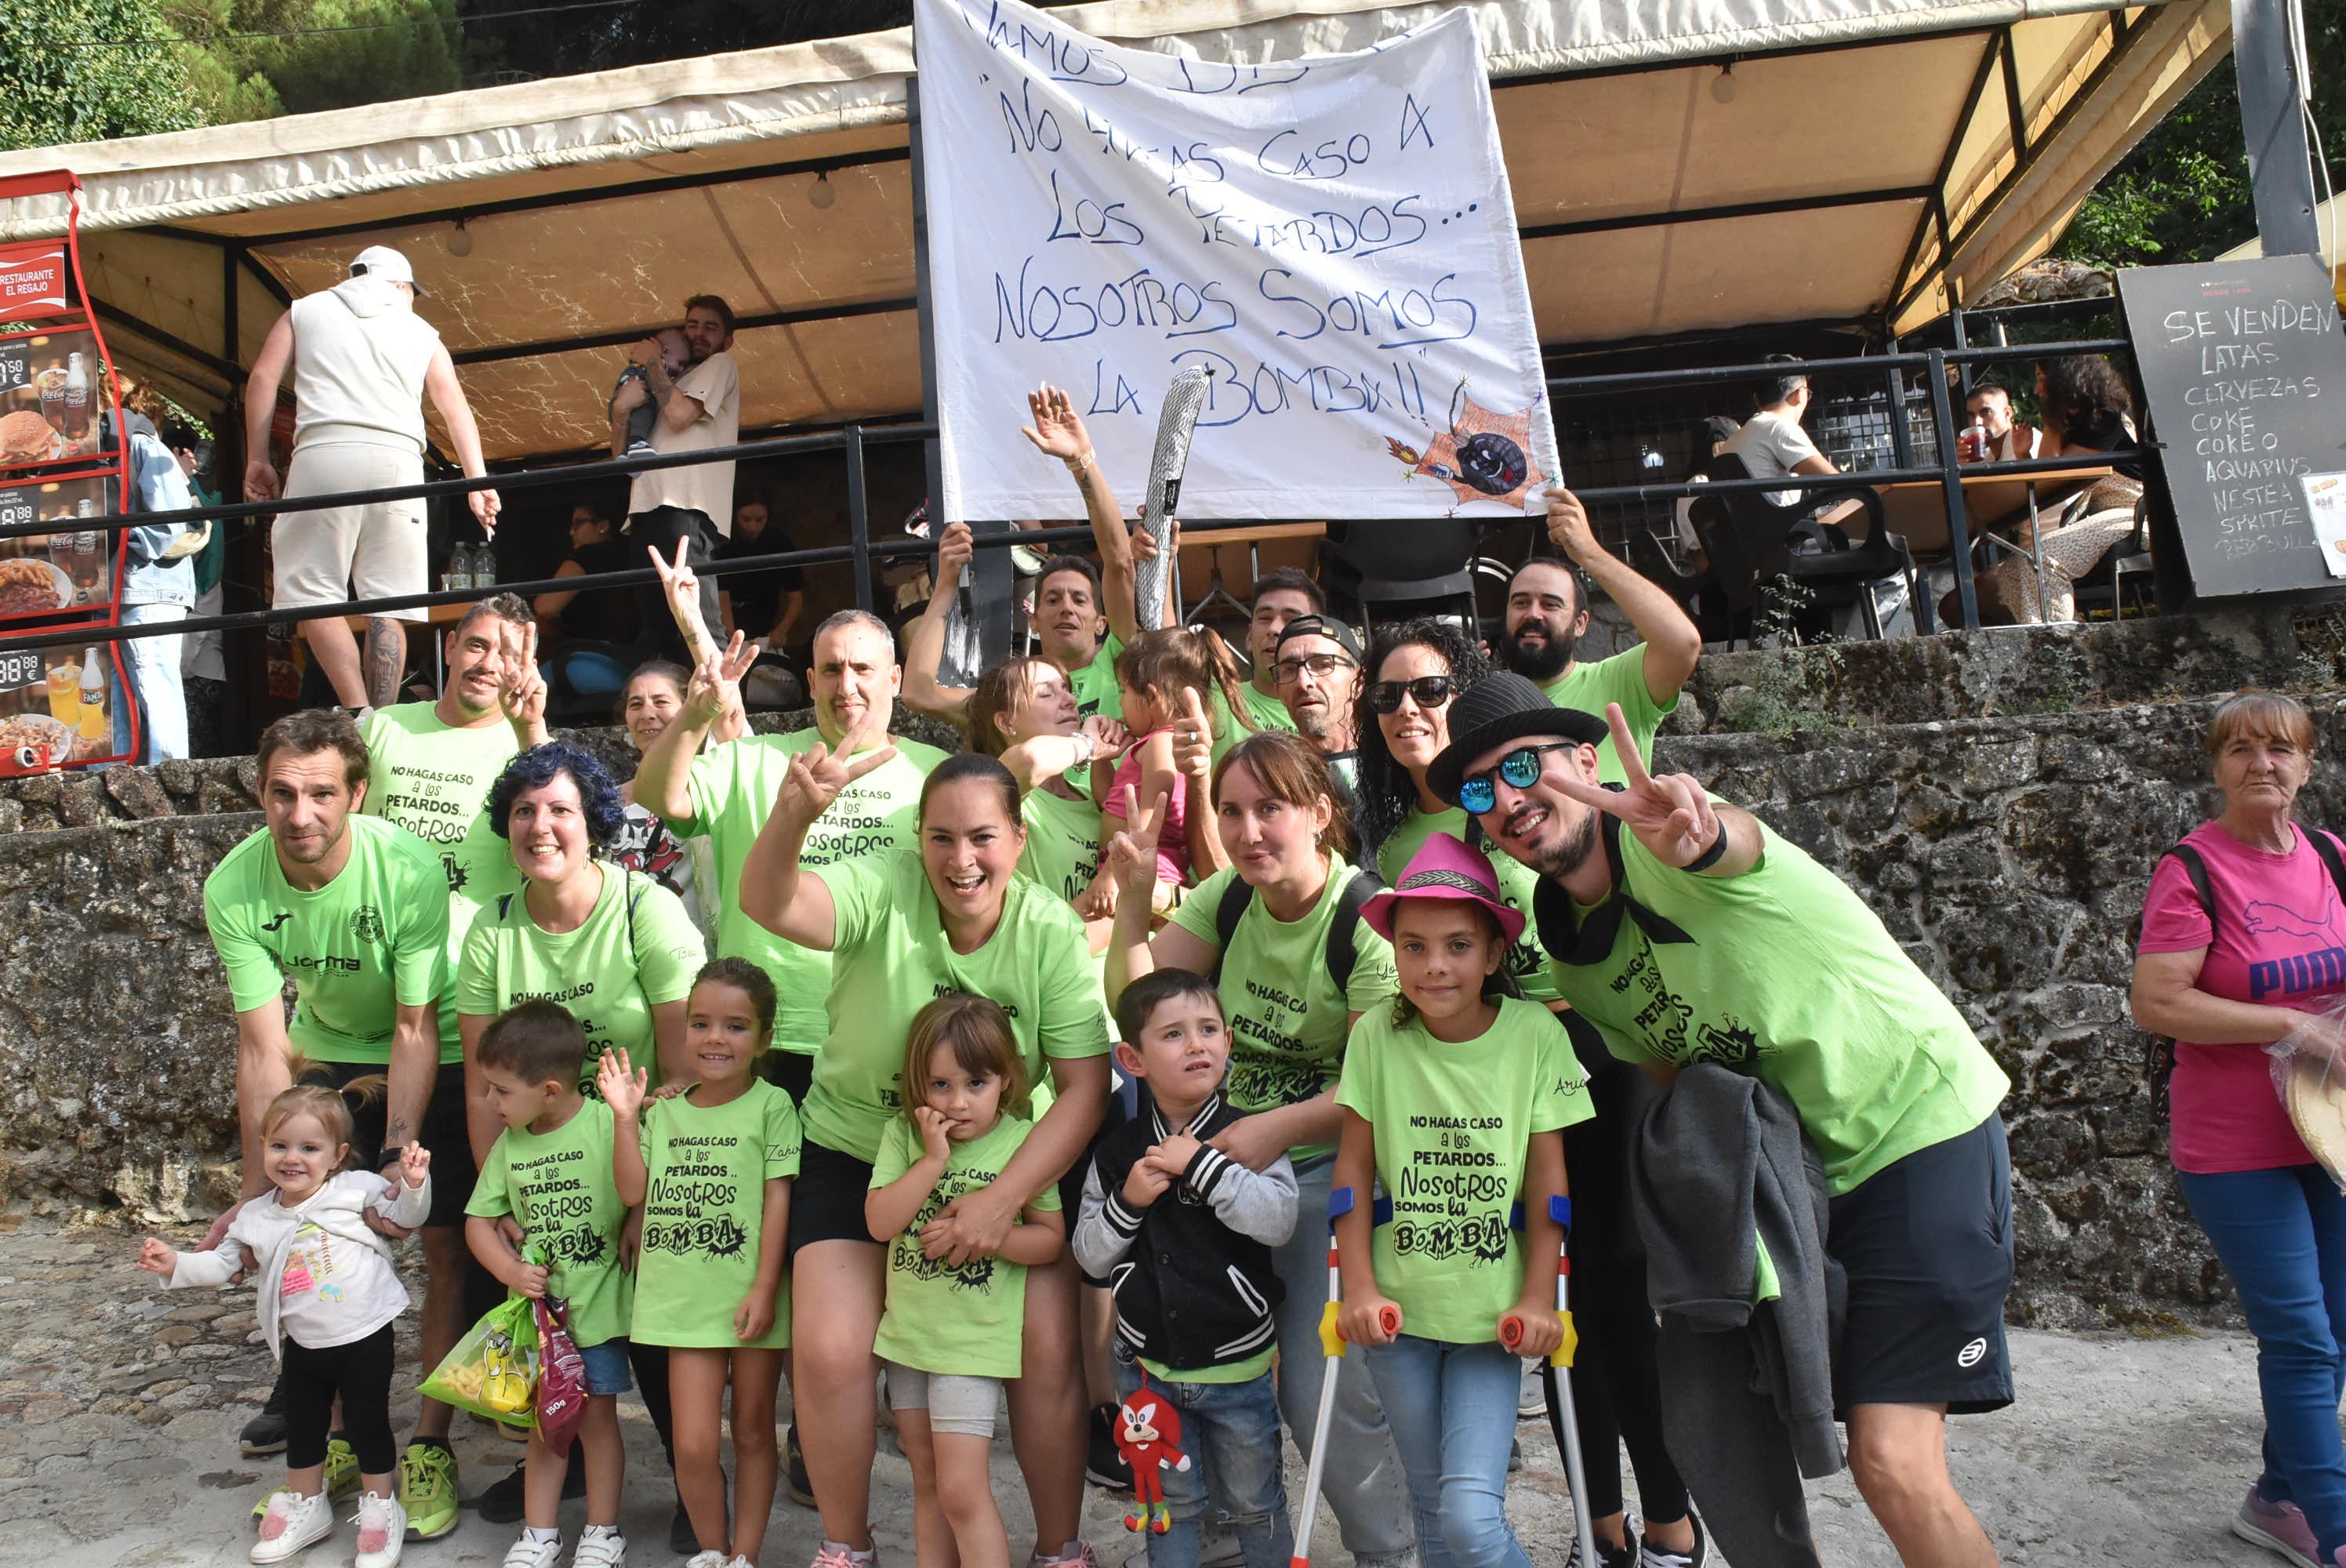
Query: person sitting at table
[2086, 413]
[1994, 436]
[1773, 445]
[589, 633]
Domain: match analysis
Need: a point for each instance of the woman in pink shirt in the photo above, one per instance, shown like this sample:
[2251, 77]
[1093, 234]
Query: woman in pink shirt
[2225, 976]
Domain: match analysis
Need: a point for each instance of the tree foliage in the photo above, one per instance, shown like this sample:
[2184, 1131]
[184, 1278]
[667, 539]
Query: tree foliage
[2182, 194]
[298, 57]
[55, 88]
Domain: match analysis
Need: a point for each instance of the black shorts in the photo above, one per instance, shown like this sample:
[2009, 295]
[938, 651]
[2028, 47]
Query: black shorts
[1926, 1243]
[827, 1198]
[792, 1072]
[444, 1133]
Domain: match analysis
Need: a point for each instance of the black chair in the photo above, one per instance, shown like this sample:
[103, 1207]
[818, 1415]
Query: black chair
[1696, 591]
[1384, 565]
[1752, 543]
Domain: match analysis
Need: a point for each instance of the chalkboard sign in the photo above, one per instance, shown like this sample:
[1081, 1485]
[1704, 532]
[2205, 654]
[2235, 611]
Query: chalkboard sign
[2246, 369]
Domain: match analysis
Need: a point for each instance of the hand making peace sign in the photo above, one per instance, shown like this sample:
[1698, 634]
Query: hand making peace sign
[818, 774]
[1671, 815]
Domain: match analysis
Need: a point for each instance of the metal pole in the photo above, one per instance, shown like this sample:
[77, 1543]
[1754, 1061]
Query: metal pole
[1951, 480]
[859, 518]
[2272, 118]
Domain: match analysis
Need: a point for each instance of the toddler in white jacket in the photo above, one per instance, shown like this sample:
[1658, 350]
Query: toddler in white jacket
[328, 1295]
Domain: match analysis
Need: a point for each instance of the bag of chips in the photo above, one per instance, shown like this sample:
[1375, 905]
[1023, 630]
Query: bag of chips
[561, 1379]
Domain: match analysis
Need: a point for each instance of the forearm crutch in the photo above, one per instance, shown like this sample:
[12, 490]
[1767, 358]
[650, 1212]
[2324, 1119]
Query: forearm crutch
[1332, 1343]
[1561, 1415]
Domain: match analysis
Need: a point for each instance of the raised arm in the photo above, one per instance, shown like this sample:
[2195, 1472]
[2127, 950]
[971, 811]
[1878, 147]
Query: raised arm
[663, 775]
[1672, 643]
[776, 891]
[1058, 432]
[1131, 950]
[924, 650]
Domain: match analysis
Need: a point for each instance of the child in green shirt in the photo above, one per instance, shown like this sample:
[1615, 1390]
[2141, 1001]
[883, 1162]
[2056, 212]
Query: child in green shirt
[550, 1170]
[1455, 1098]
[952, 1332]
[712, 1169]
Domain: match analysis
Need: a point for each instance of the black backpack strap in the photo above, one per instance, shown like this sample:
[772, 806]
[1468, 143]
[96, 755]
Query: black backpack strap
[2327, 848]
[1226, 915]
[1344, 930]
[2158, 1057]
[634, 897]
[504, 905]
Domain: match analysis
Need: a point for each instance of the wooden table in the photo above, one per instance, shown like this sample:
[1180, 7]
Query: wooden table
[1253, 536]
[1917, 508]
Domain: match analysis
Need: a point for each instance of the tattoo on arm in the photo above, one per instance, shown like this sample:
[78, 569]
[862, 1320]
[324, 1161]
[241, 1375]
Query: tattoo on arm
[387, 659]
[395, 1137]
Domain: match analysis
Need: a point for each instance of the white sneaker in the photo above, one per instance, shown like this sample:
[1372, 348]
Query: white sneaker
[527, 1554]
[1531, 1395]
[382, 1530]
[600, 1549]
[291, 1521]
[708, 1560]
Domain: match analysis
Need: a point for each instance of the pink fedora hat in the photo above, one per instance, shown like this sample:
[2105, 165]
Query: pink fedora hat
[1444, 868]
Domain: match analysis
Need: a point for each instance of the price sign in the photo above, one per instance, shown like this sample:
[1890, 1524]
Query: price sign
[23, 669]
[16, 509]
[15, 366]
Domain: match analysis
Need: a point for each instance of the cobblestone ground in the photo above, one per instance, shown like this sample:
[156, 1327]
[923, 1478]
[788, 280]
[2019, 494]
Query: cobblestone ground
[119, 1404]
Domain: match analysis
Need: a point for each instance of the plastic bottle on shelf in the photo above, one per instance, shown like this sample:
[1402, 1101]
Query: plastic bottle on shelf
[484, 566]
[92, 724]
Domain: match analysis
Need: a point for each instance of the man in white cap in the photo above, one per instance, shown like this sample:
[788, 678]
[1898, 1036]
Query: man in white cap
[361, 361]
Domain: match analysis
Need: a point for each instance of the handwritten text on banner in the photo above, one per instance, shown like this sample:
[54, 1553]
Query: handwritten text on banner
[1332, 236]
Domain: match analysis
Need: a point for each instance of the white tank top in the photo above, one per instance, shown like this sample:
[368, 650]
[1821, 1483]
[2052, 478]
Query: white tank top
[359, 359]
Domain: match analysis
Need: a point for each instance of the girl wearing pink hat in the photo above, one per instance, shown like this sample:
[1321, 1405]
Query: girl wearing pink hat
[1454, 1099]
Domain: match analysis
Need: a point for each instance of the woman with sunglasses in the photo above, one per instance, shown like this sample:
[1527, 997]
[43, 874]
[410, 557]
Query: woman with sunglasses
[1297, 964]
[1415, 667]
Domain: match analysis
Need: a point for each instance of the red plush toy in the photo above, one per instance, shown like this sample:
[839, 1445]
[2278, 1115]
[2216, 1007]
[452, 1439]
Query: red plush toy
[1148, 1434]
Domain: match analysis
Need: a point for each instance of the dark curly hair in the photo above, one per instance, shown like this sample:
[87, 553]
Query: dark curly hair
[539, 766]
[2084, 394]
[1385, 797]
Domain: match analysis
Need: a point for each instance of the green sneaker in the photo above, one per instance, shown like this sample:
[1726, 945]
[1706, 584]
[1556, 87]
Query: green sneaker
[427, 1489]
[341, 1475]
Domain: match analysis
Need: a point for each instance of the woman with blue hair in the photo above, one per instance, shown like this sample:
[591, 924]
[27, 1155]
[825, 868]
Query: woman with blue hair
[610, 944]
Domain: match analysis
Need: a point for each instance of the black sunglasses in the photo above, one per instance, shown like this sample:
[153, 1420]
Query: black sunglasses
[1426, 691]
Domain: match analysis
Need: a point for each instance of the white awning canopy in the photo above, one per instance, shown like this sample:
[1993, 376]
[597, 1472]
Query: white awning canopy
[1679, 166]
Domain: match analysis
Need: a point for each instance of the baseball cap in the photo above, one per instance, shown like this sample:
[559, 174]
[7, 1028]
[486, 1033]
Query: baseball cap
[382, 262]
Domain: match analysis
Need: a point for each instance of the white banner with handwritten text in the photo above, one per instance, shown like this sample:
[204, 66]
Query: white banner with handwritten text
[1332, 236]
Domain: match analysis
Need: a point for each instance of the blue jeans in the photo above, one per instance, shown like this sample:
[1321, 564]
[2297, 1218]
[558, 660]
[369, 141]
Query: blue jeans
[1231, 1432]
[153, 665]
[2282, 1235]
[1452, 1409]
[1357, 1478]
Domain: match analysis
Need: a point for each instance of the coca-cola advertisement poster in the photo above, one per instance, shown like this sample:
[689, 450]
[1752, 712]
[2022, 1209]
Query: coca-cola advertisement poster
[56, 708]
[54, 574]
[51, 396]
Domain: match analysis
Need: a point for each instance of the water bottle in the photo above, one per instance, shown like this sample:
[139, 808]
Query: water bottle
[460, 567]
[484, 566]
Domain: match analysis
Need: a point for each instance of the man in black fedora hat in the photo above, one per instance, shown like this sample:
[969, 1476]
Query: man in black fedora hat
[1687, 931]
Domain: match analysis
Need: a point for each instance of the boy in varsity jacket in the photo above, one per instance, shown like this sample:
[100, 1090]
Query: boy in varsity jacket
[1182, 1236]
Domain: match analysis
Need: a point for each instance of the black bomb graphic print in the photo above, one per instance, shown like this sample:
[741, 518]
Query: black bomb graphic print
[1452, 1199]
[691, 1207]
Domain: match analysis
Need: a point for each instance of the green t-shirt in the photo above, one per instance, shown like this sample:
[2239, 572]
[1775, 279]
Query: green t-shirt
[1287, 1021]
[1452, 1123]
[1622, 679]
[891, 959]
[1785, 973]
[733, 788]
[1266, 712]
[969, 1319]
[703, 1212]
[1062, 842]
[434, 779]
[557, 1187]
[357, 949]
[610, 972]
[1516, 883]
[1094, 684]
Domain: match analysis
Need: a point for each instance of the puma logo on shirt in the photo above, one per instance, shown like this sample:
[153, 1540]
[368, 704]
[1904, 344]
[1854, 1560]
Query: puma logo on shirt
[2321, 969]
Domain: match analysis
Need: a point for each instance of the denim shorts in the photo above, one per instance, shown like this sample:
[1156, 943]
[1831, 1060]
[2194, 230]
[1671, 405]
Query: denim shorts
[606, 1367]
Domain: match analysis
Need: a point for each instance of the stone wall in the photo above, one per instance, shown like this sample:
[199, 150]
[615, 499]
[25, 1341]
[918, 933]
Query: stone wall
[2007, 853]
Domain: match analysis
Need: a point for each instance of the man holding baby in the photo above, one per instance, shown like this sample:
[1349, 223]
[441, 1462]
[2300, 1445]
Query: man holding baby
[700, 407]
